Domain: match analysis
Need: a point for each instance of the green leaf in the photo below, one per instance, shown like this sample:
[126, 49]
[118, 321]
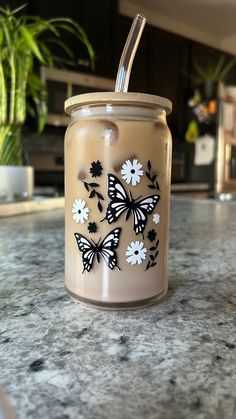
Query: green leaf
[7, 34]
[227, 69]
[35, 81]
[3, 96]
[11, 150]
[200, 70]
[32, 44]
[31, 110]
[1, 37]
[71, 26]
[218, 68]
[13, 12]
[21, 90]
[47, 56]
[42, 115]
[38, 26]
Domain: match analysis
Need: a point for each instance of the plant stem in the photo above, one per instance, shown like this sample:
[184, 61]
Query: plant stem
[22, 72]
[3, 97]
[13, 88]
[10, 145]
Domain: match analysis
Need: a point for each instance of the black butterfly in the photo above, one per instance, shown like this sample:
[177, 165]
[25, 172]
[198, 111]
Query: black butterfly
[106, 249]
[120, 202]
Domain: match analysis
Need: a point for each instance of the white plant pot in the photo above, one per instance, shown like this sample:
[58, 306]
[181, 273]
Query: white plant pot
[16, 183]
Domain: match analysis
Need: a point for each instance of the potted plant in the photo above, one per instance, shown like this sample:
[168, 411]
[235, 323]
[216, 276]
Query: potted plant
[207, 76]
[26, 41]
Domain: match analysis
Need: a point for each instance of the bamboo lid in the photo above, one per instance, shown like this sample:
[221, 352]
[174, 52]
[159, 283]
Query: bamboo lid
[106, 98]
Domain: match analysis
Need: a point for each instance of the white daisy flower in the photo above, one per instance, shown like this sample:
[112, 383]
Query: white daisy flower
[156, 218]
[131, 171]
[80, 211]
[136, 253]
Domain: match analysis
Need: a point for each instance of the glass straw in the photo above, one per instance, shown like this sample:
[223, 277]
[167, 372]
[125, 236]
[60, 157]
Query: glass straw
[128, 54]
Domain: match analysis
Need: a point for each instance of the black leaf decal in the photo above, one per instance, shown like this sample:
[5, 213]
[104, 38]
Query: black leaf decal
[99, 195]
[90, 187]
[152, 177]
[152, 256]
[100, 206]
[86, 186]
[92, 194]
[148, 265]
[93, 185]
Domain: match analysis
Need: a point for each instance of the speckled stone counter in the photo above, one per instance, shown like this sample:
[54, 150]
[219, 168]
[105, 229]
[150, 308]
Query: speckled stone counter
[174, 360]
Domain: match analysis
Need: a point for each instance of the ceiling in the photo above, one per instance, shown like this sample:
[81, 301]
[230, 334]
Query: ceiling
[212, 22]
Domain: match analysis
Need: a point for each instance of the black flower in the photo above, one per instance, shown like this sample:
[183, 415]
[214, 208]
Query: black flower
[96, 168]
[151, 235]
[92, 227]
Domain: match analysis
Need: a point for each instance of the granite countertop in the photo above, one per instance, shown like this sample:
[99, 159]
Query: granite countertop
[174, 360]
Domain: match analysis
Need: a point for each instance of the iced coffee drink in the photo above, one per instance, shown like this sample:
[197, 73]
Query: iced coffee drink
[117, 187]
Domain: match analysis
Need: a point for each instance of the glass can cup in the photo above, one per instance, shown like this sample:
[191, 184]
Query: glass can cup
[117, 197]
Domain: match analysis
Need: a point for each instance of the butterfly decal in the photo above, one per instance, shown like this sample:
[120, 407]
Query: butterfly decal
[140, 208]
[105, 249]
